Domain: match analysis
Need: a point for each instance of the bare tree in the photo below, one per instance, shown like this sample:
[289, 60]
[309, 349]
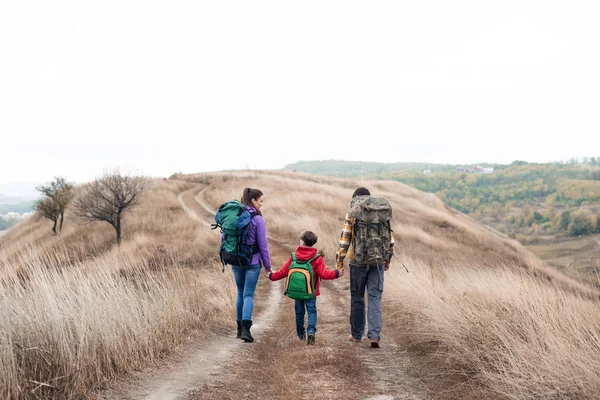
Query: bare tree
[107, 198]
[58, 194]
[49, 209]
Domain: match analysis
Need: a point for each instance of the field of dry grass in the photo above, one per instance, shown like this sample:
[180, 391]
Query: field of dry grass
[75, 311]
[578, 257]
[475, 302]
[496, 333]
[478, 311]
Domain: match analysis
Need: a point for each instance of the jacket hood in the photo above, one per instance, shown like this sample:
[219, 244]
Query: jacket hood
[304, 253]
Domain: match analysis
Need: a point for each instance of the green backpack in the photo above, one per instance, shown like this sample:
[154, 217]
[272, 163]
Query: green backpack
[300, 283]
[233, 218]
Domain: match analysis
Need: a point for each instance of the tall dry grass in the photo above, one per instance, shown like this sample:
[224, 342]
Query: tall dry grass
[65, 331]
[484, 316]
[423, 225]
[495, 333]
[75, 311]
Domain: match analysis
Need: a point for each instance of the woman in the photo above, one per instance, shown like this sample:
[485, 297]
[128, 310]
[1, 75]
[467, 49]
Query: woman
[246, 277]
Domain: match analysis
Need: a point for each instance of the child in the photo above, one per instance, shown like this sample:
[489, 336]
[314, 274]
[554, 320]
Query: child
[305, 252]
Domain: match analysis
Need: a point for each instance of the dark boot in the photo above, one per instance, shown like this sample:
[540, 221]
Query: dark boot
[246, 336]
[239, 330]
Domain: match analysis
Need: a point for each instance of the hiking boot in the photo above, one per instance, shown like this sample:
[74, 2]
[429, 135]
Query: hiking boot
[239, 330]
[310, 340]
[374, 344]
[353, 339]
[246, 336]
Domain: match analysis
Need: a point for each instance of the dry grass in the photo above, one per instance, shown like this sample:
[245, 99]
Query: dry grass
[283, 367]
[65, 331]
[577, 257]
[481, 312]
[75, 311]
[501, 332]
[423, 225]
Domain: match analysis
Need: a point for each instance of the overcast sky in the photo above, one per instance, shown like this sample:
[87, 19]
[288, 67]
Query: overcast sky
[192, 86]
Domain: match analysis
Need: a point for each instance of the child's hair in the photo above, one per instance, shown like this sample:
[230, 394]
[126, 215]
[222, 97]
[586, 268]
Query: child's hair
[309, 238]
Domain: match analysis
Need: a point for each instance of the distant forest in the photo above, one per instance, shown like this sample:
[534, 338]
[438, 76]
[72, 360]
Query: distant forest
[20, 208]
[518, 198]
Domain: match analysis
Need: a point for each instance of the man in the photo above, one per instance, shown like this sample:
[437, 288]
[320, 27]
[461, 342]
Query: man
[368, 259]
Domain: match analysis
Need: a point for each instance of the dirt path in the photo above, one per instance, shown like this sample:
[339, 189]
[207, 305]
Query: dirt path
[278, 365]
[388, 366]
[281, 366]
[350, 371]
[198, 361]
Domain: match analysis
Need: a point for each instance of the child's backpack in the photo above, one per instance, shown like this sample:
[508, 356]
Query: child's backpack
[300, 283]
[234, 220]
[372, 230]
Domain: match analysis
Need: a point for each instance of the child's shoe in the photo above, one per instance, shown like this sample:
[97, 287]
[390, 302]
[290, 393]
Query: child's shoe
[310, 340]
[374, 344]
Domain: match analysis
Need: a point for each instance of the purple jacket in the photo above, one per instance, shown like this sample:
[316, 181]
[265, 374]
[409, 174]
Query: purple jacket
[257, 233]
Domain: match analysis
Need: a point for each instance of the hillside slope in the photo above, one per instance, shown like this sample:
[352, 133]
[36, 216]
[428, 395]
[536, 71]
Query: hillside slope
[103, 313]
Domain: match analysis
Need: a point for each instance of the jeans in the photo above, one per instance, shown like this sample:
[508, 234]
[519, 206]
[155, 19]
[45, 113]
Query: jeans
[311, 310]
[246, 278]
[372, 279]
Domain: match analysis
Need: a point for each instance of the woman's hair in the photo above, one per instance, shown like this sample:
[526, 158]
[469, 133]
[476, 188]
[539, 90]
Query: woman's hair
[249, 195]
[309, 238]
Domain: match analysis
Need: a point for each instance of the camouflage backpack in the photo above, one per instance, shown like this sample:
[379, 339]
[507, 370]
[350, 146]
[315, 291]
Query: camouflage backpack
[371, 230]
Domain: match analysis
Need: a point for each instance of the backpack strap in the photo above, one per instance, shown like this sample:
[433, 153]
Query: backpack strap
[294, 259]
[255, 245]
[314, 258]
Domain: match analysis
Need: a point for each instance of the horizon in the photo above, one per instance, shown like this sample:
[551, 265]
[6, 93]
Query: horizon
[27, 188]
[50, 177]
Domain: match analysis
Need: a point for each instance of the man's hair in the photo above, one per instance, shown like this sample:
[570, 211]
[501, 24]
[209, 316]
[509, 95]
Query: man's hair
[309, 238]
[361, 191]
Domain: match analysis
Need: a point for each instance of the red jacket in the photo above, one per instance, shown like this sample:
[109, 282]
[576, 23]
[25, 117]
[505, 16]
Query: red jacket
[320, 271]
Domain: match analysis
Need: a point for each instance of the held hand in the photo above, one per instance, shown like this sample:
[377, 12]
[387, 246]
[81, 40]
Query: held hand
[386, 267]
[267, 274]
[341, 273]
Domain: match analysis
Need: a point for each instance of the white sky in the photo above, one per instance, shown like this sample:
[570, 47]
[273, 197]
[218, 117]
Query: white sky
[164, 87]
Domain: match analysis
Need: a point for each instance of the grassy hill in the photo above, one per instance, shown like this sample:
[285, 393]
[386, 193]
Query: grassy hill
[474, 298]
[544, 206]
[521, 183]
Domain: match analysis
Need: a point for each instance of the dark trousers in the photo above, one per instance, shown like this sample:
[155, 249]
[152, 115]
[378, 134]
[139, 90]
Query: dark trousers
[370, 278]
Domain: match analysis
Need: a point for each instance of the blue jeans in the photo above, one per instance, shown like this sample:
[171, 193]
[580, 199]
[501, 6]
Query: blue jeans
[311, 310]
[246, 278]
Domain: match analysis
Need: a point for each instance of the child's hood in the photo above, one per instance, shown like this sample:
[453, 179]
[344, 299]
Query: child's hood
[304, 253]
